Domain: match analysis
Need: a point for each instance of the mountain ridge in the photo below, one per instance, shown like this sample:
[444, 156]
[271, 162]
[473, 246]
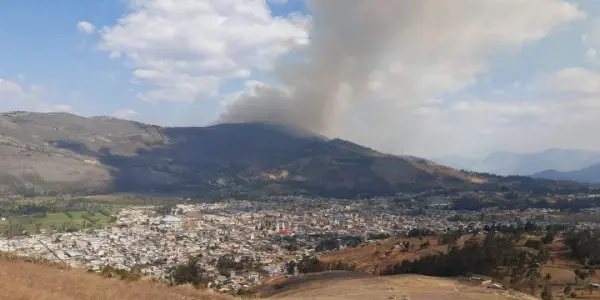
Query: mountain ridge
[61, 152]
[589, 175]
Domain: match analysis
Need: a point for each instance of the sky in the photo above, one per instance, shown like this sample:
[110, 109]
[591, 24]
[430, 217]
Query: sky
[464, 77]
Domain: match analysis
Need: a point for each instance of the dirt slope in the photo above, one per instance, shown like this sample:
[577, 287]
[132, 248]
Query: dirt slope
[24, 281]
[409, 287]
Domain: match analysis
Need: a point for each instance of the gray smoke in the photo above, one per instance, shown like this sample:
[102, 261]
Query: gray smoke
[348, 40]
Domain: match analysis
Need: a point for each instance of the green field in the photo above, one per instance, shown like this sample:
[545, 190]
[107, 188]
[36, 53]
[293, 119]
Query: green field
[60, 221]
[68, 213]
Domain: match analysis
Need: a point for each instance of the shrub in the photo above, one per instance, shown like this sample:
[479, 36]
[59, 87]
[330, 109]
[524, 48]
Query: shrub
[190, 272]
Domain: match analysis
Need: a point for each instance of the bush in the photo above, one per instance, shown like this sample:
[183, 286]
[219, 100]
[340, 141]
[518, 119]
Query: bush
[104, 212]
[379, 236]
[533, 244]
[312, 264]
[112, 272]
[190, 272]
[548, 238]
[327, 245]
[448, 239]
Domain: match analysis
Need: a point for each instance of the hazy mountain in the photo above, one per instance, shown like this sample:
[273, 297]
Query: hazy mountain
[63, 152]
[590, 174]
[509, 163]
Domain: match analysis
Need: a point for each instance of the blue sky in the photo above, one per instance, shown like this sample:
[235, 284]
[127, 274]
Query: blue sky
[158, 63]
[42, 46]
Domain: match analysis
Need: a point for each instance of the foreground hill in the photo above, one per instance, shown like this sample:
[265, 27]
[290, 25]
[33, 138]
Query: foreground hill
[59, 152]
[23, 280]
[338, 285]
[590, 174]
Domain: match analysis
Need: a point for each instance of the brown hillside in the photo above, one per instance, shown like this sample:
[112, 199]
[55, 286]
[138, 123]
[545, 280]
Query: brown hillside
[23, 281]
[349, 286]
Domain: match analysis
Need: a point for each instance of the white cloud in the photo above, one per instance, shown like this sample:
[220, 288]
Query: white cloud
[591, 55]
[7, 86]
[561, 117]
[125, 113]
[186, 49]
[277, 2]
[591, 40]
[572, 80]
[86, 27]
[15, 96]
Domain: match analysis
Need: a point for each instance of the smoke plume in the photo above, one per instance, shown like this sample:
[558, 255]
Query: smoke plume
[348, 40]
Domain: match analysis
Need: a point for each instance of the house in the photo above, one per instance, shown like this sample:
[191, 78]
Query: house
[170, 220]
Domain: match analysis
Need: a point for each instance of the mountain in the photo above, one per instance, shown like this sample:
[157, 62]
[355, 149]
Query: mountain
[60, 152]
[590, 174]
[510, 163]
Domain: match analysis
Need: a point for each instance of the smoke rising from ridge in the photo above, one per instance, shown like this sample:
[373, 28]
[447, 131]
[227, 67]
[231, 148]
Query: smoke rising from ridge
[348, 39]
[385, 73]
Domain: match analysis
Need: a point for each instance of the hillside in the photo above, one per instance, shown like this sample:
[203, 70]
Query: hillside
[58, 152]
[21, 280]
[340, 285]
[510, 163]
[590, 174]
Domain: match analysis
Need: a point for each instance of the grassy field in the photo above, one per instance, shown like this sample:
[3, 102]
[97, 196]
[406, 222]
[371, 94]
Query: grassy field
[27, 214]
[75, 220]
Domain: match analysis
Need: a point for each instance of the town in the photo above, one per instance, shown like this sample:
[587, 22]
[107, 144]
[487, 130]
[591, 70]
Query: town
[260, 236]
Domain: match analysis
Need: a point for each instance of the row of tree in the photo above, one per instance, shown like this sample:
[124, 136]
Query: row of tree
[496, 255]
[312, 264]
[584, 245]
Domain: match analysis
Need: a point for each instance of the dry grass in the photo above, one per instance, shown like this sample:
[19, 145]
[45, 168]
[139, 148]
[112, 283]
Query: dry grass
[21, 280]
[344, 286]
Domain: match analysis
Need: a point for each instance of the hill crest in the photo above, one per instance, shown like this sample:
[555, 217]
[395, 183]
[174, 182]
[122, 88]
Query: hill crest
[61, 152]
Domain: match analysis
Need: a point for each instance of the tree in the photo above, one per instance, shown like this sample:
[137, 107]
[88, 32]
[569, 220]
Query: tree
[190, 272]
[548, 238]
[290, 267]
[326, 245]
[581, 275]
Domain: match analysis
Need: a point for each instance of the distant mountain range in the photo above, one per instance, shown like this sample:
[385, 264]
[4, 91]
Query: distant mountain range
[564, 163]
[43, 153]
[590, 174]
